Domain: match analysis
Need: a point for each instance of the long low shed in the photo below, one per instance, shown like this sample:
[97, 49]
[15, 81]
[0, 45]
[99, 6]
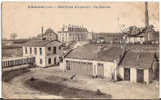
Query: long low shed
[17, 61]
[95, 61]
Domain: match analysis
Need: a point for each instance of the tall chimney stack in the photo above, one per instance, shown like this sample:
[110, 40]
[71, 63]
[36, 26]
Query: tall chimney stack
[146, 15]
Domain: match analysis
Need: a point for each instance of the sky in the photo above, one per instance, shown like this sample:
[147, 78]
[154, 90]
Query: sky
[19, 18]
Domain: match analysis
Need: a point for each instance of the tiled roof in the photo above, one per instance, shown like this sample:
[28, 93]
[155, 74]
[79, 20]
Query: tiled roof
[110, 54]
[94, 52]
[41, 43]
[84, 52]
[138, 59]
[131, 58]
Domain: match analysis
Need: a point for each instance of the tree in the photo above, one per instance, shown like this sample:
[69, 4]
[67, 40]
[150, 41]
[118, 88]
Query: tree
[13, 36]
[49, 30]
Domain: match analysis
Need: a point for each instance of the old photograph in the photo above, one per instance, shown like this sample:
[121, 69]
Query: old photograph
[84, 50]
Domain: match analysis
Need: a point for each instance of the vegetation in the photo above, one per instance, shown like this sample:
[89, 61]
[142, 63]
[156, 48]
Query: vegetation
[134, 30]
[63, 90]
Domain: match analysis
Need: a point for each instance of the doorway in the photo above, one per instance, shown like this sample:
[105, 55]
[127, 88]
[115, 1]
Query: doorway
[127, 74]
[140, 75]
[49, 61]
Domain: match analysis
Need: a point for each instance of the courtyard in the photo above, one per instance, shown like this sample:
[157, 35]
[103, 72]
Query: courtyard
[52, 83]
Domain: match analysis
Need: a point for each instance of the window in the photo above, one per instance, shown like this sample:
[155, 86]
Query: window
[59, 47]
[40, 61]
[25, 50]
[40, 51]
[30, 50]
[54, 50]
[49, 48]
[68, 65]
[99, 64]
[35, 51]
[49, 61]
[55, 60]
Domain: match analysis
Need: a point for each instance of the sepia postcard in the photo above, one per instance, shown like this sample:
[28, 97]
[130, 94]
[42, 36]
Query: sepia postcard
[84, 50]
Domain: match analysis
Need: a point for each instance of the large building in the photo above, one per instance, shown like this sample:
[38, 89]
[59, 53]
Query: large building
[73, 33]
[112, 63]
[46, 52]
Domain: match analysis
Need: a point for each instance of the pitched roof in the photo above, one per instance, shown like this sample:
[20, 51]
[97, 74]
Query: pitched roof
[84, 52]
[94, 52]
[131, 58]
[110, 54]
[41, 43]
[138, 59]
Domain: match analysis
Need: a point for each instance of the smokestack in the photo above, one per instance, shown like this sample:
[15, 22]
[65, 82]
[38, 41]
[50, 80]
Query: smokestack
[146, 15]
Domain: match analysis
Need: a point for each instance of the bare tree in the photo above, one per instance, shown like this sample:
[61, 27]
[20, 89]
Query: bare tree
[13, 36]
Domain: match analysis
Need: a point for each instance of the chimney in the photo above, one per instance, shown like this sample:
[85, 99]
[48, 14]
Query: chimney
[42, 32]
[146, 15]
[63, 28]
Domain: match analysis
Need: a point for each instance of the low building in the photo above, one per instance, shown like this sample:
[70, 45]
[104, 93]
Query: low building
[154, 37]
[110, 62]
[46, 52]
[72, 33]
[139, 66]
[92, 60]
[135, 39]
[108, 37]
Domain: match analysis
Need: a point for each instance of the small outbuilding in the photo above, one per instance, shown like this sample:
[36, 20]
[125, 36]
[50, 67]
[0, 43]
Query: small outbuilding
[139, 66]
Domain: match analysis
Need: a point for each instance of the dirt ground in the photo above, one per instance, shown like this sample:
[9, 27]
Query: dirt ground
[20, 86]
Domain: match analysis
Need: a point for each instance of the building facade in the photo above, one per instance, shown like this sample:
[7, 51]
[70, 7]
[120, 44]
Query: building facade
[46, 52]
[139, 66]
[112, 63]
[92, 60]
[72, 33]
[135, 39]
